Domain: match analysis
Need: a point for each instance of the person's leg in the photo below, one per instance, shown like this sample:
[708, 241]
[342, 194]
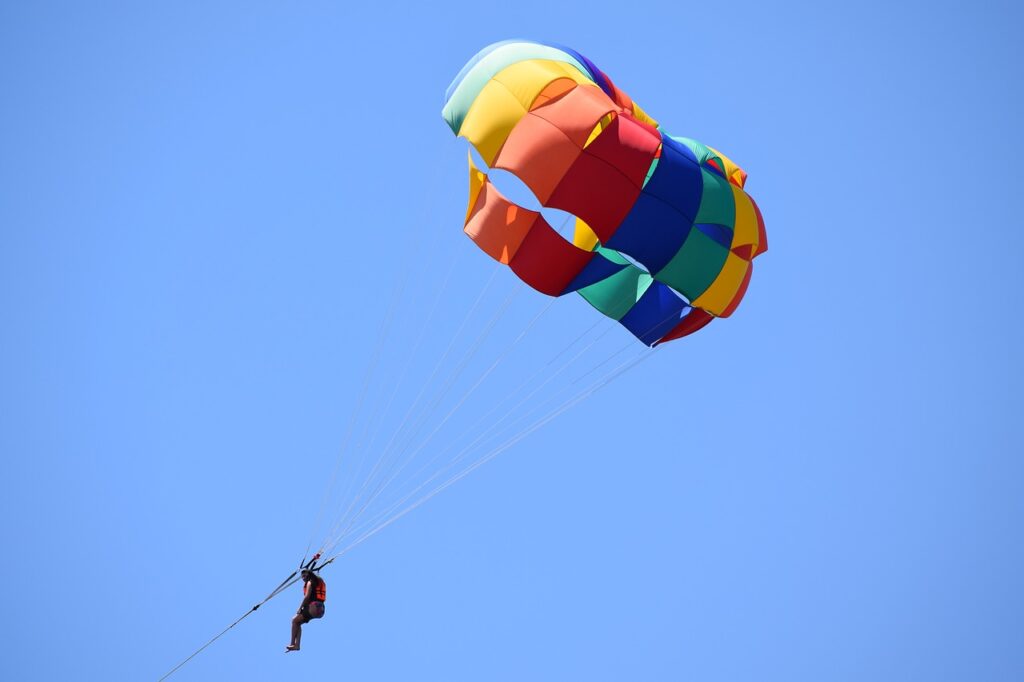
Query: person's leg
[297, 622]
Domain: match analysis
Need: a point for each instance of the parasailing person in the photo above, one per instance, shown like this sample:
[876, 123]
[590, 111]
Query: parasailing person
[314, 593]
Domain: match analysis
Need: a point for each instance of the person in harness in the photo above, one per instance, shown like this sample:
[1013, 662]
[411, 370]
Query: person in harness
[314, 593]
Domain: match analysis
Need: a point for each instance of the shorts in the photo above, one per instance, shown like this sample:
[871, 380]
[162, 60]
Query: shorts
[315, 609]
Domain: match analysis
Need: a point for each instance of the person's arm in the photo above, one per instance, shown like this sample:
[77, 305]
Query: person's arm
[310, 595]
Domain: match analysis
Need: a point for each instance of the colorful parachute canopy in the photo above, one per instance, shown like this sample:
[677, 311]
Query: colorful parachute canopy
[664, 236]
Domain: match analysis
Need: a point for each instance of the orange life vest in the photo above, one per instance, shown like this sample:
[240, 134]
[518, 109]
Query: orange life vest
[321, 589]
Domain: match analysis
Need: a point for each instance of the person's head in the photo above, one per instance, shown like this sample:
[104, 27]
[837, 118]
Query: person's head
[306, 574]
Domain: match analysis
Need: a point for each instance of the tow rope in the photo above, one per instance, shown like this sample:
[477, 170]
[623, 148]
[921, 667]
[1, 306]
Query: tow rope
[285, 584]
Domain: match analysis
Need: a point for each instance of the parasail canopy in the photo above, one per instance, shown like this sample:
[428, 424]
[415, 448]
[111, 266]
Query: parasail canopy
[664, 235]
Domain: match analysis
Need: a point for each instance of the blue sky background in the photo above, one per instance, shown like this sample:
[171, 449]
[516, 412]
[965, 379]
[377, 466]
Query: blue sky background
[206, 207]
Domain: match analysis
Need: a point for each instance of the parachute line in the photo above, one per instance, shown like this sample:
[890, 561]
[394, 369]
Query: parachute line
[496, 428]
[353, 527]
[604, 381]
[401, 455]
[382, 335]
[411, 456]
[387, 449]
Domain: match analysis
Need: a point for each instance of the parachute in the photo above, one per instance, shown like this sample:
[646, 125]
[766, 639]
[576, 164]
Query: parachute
[664, 236]
[663, 241]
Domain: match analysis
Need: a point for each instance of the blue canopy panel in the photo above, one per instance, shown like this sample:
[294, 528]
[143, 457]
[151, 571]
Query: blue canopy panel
[599, 268]
[677, 180]
[655, 314]
[661, 218]
[652, 232]
[721, 234]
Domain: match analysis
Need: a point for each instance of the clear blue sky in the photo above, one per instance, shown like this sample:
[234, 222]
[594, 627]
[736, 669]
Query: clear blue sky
[205, 208]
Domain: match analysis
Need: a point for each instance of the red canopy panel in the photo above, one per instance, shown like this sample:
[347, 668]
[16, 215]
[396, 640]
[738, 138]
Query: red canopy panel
[597, 192]
[577, 112]
[539, 154]
[525, 241]
[497, 225]
[628, 146]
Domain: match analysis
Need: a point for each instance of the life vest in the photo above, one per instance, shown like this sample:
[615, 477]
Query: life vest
[321, 589]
